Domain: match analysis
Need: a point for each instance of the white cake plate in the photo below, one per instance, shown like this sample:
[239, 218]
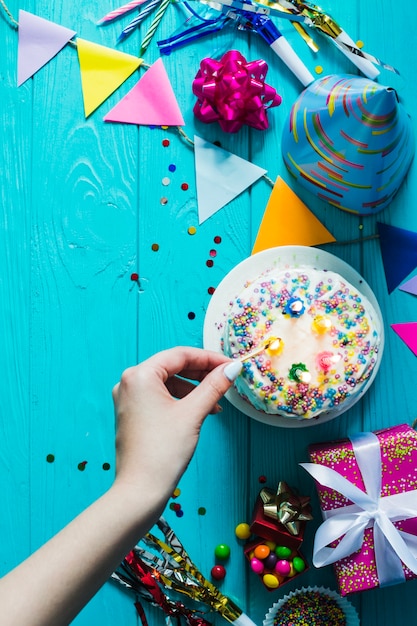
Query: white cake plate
[281, 258]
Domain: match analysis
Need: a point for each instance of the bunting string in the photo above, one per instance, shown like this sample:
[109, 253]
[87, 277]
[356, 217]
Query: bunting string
[14, 23]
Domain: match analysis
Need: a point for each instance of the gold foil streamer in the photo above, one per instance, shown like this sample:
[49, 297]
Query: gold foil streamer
[286, 507]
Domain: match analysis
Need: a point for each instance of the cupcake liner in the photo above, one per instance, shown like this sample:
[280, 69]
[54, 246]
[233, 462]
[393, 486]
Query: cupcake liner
[352, 618]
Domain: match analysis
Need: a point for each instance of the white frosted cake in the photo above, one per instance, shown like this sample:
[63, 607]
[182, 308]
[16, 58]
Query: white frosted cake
[308, 341]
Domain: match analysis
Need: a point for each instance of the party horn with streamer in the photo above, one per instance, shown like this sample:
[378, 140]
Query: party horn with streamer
[164, 565]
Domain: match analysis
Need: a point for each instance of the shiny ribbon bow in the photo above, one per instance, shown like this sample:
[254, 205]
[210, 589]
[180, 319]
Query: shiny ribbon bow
[286, 507]
[369, 509]
[233, 92]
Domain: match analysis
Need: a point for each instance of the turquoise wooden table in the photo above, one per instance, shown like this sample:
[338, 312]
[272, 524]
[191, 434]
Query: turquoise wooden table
[86, 205]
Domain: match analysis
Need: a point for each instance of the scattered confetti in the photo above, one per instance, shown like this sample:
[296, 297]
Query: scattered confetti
[82, 466]
[191, 315]
[192, 230]
[176, 492]
[184, 186]
[155, 247]
[164, 200]
[213, 253]
[211, 290]
[318, 69]
[106, 466]
[50, 458]
[134, 276]
[202, 510]
[166, 181]
[165, 143]
[217, 239]
[209, 263]
[172, 167]
[262, 479]
[359, 44]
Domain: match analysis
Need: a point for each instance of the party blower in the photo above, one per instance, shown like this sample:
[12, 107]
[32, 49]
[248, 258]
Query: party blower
[163, 565]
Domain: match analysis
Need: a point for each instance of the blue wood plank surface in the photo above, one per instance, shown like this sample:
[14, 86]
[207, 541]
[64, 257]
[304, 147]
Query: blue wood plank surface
[83, 206]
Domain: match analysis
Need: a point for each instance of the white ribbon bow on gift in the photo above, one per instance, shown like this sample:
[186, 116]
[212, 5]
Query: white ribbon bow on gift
[392, 547]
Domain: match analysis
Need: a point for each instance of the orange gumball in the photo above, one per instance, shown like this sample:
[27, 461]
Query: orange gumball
[262, 551]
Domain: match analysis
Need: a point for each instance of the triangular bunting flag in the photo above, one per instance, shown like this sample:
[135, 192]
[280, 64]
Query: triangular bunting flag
[399, 253]
[410, 286]
[287, 221]
[408, 333]
[150, 102]
[103, 70]
[220, 177]
[39, 41]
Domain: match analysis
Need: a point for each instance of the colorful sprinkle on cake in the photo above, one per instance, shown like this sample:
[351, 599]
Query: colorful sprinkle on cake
[308, 341]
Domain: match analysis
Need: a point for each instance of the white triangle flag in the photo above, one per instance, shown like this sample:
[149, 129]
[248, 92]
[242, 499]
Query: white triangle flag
[220, 177]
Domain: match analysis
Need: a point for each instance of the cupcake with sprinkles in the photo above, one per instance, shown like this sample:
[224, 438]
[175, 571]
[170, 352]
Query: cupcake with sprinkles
[312, 606]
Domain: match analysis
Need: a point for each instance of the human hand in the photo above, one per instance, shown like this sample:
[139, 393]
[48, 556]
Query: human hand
[160, 414]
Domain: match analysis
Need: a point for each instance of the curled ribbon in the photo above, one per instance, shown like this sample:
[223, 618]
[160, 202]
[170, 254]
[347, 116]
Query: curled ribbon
[286, 507]
[233, 92]
[392, 547]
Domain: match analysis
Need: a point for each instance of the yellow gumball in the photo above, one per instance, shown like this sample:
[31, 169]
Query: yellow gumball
[242, 531]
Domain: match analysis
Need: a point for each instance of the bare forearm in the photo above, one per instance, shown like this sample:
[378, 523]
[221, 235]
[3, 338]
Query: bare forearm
[61, 577]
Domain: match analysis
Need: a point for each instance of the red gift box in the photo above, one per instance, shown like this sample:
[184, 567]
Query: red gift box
[281, 516]
[367, 487]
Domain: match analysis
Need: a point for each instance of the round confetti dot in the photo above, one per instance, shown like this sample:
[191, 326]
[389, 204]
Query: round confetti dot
[155, 247]
[184, 186]
[163, 200]
[172, 167]
[209, 263]
[179, 513]
[164, 127]
[218, 572]
[171, 506]
[82, 466]
[134, 277]
[176, 507]
[213, 253]
[191, 315]
[217, 239]
[211, 290]
[165, 143]
[176, 492]
[106, 467]
[262, 479]
[50, 458]
[222, 551]
[192, 230]
[166, 181]
[242, 531]
[359, 44]
[202, 510]
[318, 69]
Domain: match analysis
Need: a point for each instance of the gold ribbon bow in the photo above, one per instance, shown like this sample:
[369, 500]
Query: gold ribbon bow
[286, 507]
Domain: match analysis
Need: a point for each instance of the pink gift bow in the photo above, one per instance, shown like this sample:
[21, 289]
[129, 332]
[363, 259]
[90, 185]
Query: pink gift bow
[391, 546]
[233, 92]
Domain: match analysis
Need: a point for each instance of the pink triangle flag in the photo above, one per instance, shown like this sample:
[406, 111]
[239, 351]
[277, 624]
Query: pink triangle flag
[150, 102]
[408, 333]
[410, 286]
[220, 177]
[39, 41]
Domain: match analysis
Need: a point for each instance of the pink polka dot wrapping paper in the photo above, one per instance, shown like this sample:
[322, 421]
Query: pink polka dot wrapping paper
[398, 446]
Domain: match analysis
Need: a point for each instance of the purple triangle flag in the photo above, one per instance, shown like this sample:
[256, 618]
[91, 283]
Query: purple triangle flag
[410, 286]
[39, 41]
[399, 253]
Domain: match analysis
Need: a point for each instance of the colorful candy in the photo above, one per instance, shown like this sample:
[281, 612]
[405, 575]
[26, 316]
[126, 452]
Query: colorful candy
[218, 572]
[222, 551]
[242, 531]
[274, 564]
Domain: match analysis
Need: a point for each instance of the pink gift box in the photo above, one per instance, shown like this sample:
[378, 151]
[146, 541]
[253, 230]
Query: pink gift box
[398, 446]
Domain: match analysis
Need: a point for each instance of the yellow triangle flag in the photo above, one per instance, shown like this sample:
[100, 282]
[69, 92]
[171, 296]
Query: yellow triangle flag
[287, 221]
[103, 70]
